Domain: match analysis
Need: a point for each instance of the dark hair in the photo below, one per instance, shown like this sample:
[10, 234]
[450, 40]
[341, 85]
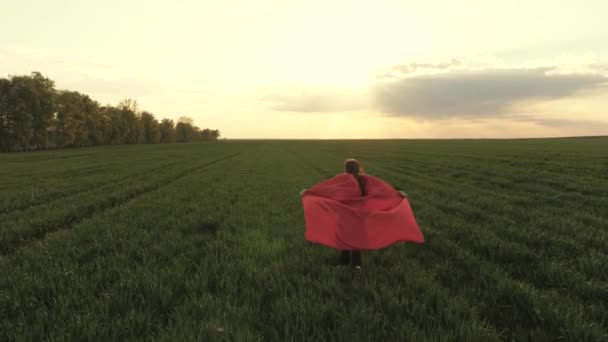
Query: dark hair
[353, 167]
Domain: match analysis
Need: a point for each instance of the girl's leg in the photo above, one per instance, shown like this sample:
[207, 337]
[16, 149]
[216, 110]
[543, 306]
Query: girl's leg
[355, 258]
[344, 257]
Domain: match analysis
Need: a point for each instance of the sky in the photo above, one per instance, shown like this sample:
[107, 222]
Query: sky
[328, 69]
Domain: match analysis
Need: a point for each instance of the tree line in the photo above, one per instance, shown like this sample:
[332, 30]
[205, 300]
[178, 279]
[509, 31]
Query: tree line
[34, 116]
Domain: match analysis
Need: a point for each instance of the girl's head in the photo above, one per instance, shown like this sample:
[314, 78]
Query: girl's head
[352, 166]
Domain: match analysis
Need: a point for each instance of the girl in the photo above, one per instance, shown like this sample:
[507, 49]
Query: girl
[354, 211]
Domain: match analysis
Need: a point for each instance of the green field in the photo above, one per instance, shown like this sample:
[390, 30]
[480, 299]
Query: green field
[206, 242]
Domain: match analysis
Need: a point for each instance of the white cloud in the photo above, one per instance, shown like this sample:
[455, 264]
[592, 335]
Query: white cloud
[465, 93]
[482, 87]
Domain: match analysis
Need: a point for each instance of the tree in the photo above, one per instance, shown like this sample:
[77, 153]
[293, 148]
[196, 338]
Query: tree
[19, 117]
[116, 125]
[206, 134]
[130, 115]
[167, 131]
[129, 104]
[93, 121]
[5, 85]
[38, 100]
[70, 127]
[33, 115]
[151, 130]
[184, 130]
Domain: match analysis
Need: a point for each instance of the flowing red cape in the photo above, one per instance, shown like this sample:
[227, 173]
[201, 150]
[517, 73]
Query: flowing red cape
[338, 216]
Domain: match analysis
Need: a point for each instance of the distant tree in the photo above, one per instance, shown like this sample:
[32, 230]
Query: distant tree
[33, 115]
[129, 104]
[136, 129]
[70, 127]
[206, 134]
[19, 116]
[167, 131]
[129, 114]
[117, 126]
[209, 134]
[185, 129]
[150, 128]
[37, 98]
[186, 120]
[5, 85]
[93, 121]
[196, 134]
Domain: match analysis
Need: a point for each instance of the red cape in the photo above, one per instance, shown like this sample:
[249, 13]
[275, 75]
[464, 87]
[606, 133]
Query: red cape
[338, 216]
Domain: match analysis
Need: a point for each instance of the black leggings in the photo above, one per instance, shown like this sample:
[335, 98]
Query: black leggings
[351, 257]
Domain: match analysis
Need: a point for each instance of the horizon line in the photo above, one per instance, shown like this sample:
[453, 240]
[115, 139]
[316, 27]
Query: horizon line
[525, 138]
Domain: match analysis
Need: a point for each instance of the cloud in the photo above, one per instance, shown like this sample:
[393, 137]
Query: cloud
[482, 86]
[565, 93]
[474, 93]
[397, 71]
[601, 67]
[308, 100]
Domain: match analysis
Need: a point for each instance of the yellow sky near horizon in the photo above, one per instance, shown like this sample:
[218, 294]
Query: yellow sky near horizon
[328, 69]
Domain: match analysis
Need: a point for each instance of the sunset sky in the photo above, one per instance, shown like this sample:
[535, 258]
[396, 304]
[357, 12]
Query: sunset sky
[328, 69]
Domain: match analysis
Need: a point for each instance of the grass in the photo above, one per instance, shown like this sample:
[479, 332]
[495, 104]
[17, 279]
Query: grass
[206, 242]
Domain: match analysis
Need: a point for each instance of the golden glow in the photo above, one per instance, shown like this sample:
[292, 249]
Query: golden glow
[215, 60]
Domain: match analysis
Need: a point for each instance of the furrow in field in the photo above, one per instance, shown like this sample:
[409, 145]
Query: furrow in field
[541, 272]
[13, 238]
[508, 166]
[152, 254]
[18, 183]
[34, 174]
[58, 170]
[509, 198]
[133, 259]
[551, 247]
[498, 206]
[78, 187]
[30, 170]
[523, 264]
[508, 304]
[506, 160]
[521, 179]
